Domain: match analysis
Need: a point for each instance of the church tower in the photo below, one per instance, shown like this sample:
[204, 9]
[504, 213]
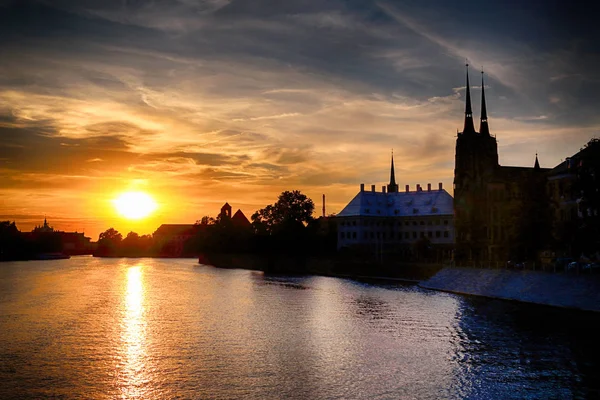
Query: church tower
[476, 161]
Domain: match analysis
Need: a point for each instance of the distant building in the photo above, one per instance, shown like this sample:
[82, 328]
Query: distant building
[507, 213]
[171, 239]
[572, 207]
[390, 221]
[72, 243]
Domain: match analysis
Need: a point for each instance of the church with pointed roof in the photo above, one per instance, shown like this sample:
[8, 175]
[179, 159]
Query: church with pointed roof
[488, 197]
[389, 222]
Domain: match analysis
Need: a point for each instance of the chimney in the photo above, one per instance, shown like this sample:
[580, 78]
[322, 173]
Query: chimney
[372, 188]
[440, 186]
[383, 189]
[362, 187]
[429, 187]
[418, 187]
[407, 188]
[323, 205]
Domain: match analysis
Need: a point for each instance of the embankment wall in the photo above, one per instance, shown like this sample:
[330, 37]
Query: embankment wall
[554, 289]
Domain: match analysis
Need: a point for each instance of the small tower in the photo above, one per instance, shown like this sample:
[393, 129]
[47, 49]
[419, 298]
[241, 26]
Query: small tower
[537, 163]
[226, 210]
[392, 187]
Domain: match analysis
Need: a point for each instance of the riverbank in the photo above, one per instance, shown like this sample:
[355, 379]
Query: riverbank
[581, 292]
[325, 266]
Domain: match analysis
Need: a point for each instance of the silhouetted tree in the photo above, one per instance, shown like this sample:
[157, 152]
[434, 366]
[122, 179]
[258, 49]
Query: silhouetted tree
[109, 242]
[291, 208]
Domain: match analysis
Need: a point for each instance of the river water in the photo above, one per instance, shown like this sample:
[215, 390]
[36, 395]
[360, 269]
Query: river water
[162, 329]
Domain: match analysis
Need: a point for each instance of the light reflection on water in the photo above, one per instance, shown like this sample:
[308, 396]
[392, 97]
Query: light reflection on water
[154, 329]
[133, 336]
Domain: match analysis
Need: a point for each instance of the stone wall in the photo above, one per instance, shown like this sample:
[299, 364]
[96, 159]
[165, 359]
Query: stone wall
[560, 289]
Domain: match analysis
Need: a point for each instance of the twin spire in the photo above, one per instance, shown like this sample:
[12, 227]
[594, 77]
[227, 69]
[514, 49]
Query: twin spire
[469, 126]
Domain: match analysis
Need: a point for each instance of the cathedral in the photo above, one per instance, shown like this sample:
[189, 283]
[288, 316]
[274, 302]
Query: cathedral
[494, 206]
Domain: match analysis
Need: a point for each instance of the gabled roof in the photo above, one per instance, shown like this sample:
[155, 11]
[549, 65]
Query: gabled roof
[402, 204]
[240, 218]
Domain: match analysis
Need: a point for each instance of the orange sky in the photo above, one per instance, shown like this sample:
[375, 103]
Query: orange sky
[217, 102]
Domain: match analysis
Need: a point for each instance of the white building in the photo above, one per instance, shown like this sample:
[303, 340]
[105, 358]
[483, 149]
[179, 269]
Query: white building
[391, 221]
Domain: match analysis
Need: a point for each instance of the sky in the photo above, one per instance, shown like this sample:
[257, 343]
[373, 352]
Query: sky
[202, 102]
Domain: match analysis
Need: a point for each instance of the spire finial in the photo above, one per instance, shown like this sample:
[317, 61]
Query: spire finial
[469, 127]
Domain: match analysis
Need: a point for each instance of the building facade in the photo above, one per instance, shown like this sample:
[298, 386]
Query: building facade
[392, 222]
[495, 206]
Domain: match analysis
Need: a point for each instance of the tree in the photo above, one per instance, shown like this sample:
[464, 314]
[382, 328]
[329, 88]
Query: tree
[109, 242]
[112, 235]
[206, 220]
[291, 209]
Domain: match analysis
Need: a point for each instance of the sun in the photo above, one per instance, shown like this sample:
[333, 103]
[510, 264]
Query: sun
[135, 205]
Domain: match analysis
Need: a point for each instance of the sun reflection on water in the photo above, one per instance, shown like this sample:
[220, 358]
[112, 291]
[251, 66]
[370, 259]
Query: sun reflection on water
[133, 337]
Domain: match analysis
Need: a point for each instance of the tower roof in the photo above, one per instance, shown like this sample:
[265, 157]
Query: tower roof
[483, 126]
[469, 127]
[392, 187]
[537, 163]
[392, 172]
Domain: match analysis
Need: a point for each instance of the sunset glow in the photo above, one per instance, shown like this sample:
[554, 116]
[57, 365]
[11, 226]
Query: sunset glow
[135, 205]
[277, 97]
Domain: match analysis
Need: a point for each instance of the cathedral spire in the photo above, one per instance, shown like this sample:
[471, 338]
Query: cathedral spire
[537, 163]
[392, 186]
[469, 127]
[484, 129]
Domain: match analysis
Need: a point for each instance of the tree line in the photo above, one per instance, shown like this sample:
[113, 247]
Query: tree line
[285, 227]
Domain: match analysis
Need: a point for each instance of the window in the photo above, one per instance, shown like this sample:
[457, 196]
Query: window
[407, 223]
[343, 223]
[383, 235]
[446, 234]
[422, 222]
[422, 235]
[429, 222]
[353, 235]
[367, 211]
[378, 235]
[399, 235]
[366, 235]
[342, 235]
[414, 223]
[445, 222]
[414, 235]
[396, 212]
[438, 234]
[378, 211]
[353, 223]
[372, 235]
[429, 234]
[406, 235]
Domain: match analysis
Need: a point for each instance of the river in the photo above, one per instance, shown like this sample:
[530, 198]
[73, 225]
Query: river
[169, 328]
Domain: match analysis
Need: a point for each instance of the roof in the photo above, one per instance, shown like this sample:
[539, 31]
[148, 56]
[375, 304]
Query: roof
[239, 217]
[176, 229]
[402, 204]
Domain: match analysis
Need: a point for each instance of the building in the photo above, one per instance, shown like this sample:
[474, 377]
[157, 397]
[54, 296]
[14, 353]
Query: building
[172, 240]
[71, 243]
[495, 206]
[392, 222]
[574, 194]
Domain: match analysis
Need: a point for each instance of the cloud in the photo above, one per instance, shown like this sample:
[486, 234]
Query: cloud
[206, 100]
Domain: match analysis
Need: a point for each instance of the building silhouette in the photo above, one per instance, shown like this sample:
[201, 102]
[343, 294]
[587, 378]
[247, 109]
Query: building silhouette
[392, 222]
